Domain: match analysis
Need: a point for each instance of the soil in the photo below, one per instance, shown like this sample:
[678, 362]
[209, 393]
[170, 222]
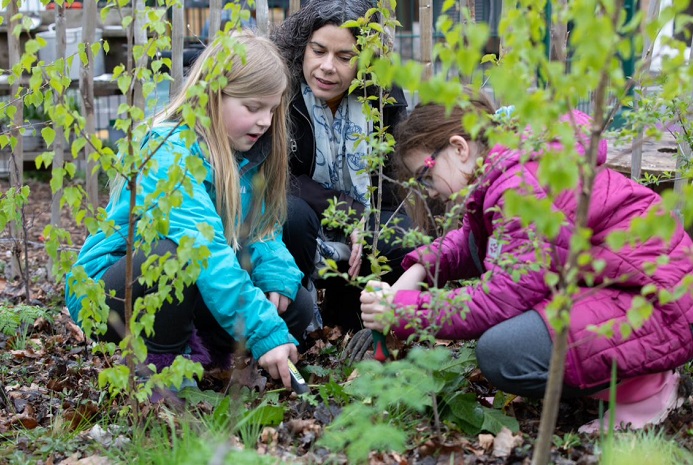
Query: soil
[60, 362]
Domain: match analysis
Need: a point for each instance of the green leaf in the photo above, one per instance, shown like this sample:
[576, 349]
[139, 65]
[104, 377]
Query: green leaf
[266, 415]
[466, 412]
[495, 420]
[48, 134]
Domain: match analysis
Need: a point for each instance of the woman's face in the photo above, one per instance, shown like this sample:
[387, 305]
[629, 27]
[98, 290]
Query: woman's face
[326, 61]
[246, 119]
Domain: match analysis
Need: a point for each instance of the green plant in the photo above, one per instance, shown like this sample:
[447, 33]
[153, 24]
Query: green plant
[650, 447]
[15, 320]
[256, 419]
[389, 400]
[31, 112]
[567, 441]
[188, 440]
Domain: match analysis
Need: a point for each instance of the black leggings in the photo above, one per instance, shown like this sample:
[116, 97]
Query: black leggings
[175, 320]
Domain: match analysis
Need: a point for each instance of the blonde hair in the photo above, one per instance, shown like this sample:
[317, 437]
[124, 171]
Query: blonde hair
[257, 69]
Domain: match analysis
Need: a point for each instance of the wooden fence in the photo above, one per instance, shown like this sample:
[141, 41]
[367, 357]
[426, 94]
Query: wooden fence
[187, 24]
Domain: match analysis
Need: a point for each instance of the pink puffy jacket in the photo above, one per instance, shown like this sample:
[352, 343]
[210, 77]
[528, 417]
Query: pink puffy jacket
[664, 342]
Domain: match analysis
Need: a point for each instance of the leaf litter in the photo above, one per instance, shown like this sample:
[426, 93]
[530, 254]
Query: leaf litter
[52, 382]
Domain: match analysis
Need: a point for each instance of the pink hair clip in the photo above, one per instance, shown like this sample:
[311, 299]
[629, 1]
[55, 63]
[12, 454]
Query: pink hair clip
[429, 162]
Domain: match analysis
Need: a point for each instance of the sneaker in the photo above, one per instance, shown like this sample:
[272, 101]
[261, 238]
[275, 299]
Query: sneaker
[316, 323]
[651, 410]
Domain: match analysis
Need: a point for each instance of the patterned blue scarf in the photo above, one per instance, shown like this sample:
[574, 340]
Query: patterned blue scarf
[339, 165]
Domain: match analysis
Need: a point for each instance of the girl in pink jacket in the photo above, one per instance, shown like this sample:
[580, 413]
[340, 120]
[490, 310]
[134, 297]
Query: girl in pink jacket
[506, 310]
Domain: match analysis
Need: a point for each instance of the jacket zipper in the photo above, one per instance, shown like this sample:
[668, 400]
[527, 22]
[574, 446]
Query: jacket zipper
[312, 131]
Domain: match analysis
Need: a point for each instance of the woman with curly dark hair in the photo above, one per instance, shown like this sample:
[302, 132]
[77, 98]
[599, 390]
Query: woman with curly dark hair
[326, 162]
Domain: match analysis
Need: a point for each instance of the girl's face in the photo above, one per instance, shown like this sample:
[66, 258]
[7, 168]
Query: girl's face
[445, 171]
[246, 119]
[326, 67]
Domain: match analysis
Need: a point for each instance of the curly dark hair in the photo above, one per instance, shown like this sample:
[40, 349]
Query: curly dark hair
[292, 35]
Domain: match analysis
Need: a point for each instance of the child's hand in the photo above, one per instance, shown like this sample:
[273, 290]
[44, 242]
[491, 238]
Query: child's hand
[275, 362]
[282, 302]
[376, 299]
[411, 279]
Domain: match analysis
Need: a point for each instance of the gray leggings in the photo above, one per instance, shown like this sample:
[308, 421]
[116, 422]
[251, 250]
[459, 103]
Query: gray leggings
[515, 355]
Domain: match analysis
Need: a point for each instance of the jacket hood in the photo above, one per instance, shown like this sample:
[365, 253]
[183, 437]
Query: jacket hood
[501, 159]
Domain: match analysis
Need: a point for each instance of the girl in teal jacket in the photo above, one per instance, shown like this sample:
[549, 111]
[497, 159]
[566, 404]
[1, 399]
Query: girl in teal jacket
[250, 289]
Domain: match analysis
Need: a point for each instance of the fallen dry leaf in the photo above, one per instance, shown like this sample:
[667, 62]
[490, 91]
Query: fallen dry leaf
[505, 442]
[486, 441]
[75, 332]
[296, 426]
[75, 459]
[82, 414]
[26, 421]
[354, 374]
[247, 374]
[269, 437]
[27, 353]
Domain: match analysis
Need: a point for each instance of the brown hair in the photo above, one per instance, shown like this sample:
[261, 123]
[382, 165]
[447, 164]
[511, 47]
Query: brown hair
[429, 128]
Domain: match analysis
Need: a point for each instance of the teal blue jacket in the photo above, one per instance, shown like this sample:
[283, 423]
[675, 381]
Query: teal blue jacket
[234, 296]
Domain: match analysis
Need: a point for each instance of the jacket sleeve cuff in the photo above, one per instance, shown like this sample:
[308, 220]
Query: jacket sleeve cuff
[405, 302]
[262, 346]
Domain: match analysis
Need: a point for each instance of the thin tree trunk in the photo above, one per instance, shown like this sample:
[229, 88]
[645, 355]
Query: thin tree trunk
[86, 86]
[16, 161]
[554, 386]
[682, 160]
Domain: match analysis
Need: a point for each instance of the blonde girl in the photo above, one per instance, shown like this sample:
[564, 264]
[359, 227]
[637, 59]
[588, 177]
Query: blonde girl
[250, 291]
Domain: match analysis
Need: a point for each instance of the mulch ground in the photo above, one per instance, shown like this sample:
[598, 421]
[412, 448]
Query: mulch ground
[56, 378]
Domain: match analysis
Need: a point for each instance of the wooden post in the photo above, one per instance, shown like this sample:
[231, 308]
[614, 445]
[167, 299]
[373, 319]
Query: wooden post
[262, 17]
[426, 24]
[636, 152]
[684, 156]
[559, 35]
[140, 38]
[59, 98]
[294, 6]
[177, 43]
[86, 87]
[214, 19]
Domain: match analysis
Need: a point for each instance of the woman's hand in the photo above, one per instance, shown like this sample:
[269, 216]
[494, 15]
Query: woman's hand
[282, 302]
[376, 299]
[356, 252]
[276, 362]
